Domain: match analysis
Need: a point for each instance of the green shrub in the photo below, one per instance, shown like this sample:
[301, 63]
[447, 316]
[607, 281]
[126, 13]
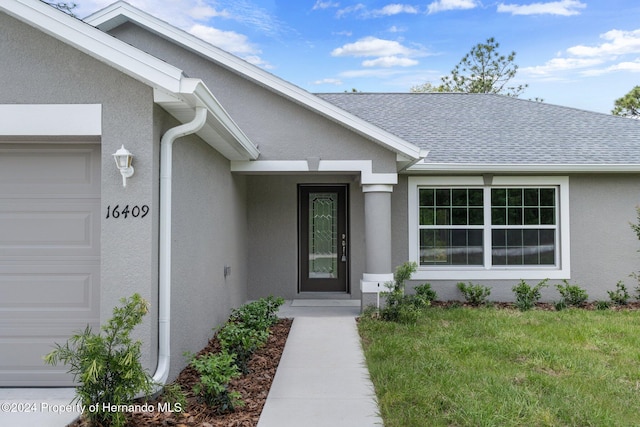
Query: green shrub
[242, 341]
[398, 306]
[572, 295]
[216, 371]
[175, 397]
[424, 294]
[620, 296]
[527, 296]
[258, 315]
[107, 365]
[474, 294]
[602, 305]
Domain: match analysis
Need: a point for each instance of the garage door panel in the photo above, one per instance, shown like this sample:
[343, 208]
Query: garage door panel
[49, 227]
[49, 255]
[28, 293]
[49, 169]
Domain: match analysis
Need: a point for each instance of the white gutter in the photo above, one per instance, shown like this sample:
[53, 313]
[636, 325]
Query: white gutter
[164, 292]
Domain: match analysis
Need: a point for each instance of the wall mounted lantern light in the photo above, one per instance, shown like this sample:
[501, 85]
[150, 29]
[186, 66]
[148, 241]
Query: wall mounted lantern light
[123, 161]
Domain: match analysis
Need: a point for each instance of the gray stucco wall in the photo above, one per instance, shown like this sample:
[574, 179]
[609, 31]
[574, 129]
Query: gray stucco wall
[37, 69]
[283, 129]
[603, 246]
[273, 233]
[209, 232]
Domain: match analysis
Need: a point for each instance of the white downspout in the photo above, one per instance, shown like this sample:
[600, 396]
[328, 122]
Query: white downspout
[164, 292]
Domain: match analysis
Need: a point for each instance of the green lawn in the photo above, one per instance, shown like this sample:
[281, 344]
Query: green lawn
[502, 367]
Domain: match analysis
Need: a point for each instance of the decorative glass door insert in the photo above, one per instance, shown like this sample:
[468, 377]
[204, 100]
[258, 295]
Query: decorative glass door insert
[323, 243]
[323, 235]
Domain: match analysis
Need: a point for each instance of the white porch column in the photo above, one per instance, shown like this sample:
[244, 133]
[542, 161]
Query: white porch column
[377, 232]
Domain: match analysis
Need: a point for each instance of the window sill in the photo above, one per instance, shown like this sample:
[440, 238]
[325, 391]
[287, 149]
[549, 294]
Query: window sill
[493, 274]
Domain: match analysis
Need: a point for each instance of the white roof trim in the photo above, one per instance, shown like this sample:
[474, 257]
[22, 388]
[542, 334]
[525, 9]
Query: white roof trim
[94, 43]
[161, 76]
[120, 12]
[440, 168]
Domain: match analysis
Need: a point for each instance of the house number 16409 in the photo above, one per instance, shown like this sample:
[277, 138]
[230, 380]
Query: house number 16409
[127, 211]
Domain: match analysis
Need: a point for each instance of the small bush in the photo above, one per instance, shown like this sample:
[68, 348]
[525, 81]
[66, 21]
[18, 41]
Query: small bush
[398, 306]
[258, 315]
[175, 397]
[620, 296]
[242, 341]
[572, 295]
[424, 294]
[216, 371]
[527, 296]
[602, 305]
[107, 365]
[560, 305]
[474, 294]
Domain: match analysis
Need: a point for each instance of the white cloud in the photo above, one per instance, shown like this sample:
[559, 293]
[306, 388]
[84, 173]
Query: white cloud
[618, 43]
[394, 9]
[443, 5]
[371, 72]
[604, 58]
[335, 82]
[630, 66]
[324, 5]
[228, 40]
[372, 46]
[390, 61]
[562, 7]
[556, 65]
[351, 9]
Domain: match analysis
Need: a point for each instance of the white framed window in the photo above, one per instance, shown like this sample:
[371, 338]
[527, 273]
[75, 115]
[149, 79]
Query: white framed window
[511, 228]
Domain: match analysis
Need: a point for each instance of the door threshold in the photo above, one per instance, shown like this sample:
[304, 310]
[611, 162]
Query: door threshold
[325, 303]
[324, 295]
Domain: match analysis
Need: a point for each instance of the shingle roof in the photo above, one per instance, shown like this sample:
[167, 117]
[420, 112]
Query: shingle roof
[494, 129]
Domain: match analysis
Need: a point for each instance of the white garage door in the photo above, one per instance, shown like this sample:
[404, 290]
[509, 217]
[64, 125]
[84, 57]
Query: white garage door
[49, 255]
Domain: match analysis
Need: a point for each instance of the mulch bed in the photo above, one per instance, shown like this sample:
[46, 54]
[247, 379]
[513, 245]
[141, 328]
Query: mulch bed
[254, 388]
[632, 305]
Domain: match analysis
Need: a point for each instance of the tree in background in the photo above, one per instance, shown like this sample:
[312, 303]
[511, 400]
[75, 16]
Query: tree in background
[628, 105]
[482, 70]
[63, 6]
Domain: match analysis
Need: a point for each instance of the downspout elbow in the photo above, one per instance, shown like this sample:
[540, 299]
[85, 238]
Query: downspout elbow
[164, 291]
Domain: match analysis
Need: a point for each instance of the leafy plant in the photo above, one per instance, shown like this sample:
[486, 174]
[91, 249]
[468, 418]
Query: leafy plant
[474, 294]
[242, 341]
[527, 296]
[572, 295]
[107, 365]
[216, 371]
[398, 306]
[175, 397]
[620, 296]
[602, 305]
[424, 294]
[258, 315]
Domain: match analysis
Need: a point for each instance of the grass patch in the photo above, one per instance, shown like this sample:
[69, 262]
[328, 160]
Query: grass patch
[487, 367]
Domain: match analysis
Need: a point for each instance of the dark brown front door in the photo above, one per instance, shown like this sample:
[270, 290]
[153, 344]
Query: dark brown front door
[323, 241]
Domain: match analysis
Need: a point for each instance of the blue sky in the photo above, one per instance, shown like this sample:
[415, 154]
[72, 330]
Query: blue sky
[577, 53]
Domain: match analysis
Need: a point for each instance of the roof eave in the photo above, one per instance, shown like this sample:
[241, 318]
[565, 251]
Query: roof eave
[121, 12]
[449, 168]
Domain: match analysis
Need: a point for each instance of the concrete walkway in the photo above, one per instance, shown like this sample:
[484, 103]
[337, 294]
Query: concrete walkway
[322, 379]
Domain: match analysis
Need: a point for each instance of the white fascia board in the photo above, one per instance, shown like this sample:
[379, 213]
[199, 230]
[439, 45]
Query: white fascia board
[110, 17]
[440, 168]
[94, 43]
[362, 167]
[51, 120]
[220, 130]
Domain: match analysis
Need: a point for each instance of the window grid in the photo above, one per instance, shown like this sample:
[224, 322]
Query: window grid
[521, 226]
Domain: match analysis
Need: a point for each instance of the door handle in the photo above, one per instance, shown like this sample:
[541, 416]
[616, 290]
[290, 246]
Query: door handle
[344, 248]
